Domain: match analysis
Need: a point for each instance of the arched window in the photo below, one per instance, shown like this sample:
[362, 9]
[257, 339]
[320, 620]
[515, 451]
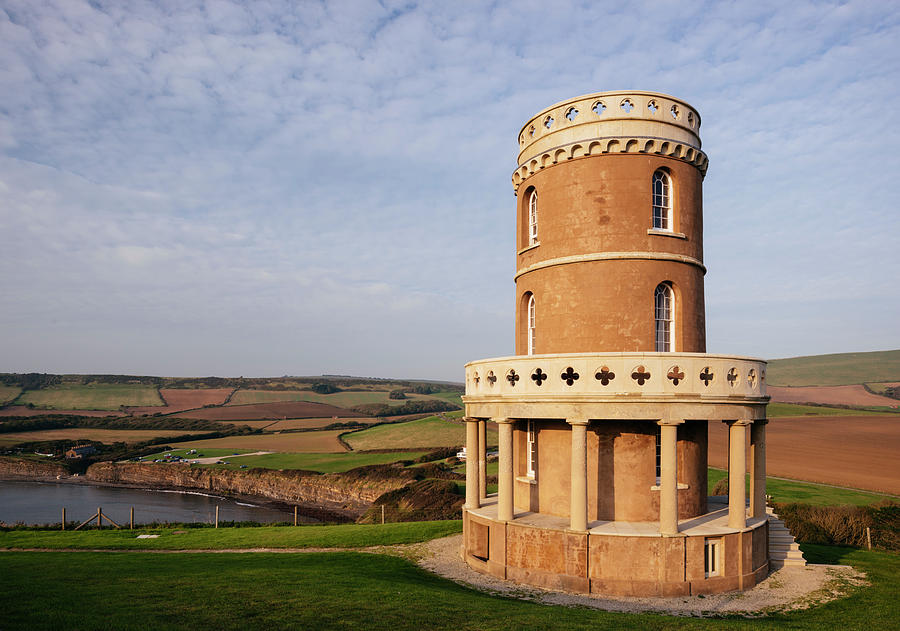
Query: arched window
[665, 329]
[662, 201]
[531, 324]
[532, 218]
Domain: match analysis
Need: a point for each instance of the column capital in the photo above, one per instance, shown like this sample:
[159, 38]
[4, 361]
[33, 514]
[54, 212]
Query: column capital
[670, 421]
[503, 420]
[743, 421]
[471, 419]
[578, 421]
[760, 421]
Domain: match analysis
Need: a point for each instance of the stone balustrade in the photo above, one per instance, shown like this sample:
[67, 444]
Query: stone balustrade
[617, 378]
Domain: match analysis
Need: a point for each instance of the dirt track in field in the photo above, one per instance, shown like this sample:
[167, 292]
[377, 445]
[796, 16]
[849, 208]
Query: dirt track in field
[829, 395]
[274, 411]
[855, 451]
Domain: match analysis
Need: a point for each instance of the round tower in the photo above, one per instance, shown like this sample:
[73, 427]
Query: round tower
[610, 226]
[602, 414]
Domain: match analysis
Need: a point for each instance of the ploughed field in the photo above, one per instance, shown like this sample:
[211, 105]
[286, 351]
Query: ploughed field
[274, 411]
[180, 399]
[854, 395]
[855, 451]
[108, 436]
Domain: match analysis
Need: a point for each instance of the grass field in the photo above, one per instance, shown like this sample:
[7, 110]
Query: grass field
[343, 536]
[9, 394]
[302, 442]
[312, 423]
[322, 462]
[880, 388]
[203, 453]
[431, 431]
[785, 491]
[450, 396]
[92, 397]
[835, 370]
[352, 590]
[107, 436]
[338, 399]
[774, 410]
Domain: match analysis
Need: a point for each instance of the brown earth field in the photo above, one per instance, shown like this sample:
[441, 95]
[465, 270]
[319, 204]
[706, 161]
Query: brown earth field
[21, 410]
[829, 395]
[298, 442]
[274, 411]
[313, 423]
[107, 436]
[855, 451]
[180, 399]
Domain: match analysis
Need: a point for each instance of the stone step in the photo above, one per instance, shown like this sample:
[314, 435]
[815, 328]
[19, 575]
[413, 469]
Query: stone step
[783, 549]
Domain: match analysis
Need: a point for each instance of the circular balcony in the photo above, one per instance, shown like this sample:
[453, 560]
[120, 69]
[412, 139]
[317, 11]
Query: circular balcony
[617, 386]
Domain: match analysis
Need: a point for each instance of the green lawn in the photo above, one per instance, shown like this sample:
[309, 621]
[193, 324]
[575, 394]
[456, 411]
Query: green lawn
[784, 491]
[834, 370]
[431, 431]
[201, 453]
[343, 536]
[774, 410]
[349, 590]
[91, 397]
[450, 396]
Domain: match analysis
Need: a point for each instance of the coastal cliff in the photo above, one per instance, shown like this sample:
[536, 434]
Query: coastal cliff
[28, 469]
[333, 495]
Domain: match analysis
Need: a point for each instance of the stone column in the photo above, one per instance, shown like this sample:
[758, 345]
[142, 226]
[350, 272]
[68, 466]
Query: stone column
[668, 476]
[505, 481]
[482, 458]
[737, 469]
[578, 499]
[758, 468]
[472, 500]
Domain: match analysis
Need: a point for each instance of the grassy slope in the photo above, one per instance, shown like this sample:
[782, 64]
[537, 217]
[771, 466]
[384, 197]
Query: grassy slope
[427, 432]
[792, 409]
[835, 370]
[92, 396]
[348, 590]
[324, 463]
[9, 394]
[338, 399]
[344, 536]
[806, 492]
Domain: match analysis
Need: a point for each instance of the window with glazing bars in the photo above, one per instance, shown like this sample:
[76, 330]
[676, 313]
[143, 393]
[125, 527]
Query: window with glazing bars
[530, 450]
[532, 218]
[531, 325]
[662, 203]
[663, 299]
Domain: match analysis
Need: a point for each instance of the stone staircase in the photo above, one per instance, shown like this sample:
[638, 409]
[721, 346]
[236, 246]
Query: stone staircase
[783, 550]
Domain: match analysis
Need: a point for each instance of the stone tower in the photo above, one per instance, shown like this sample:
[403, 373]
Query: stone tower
[603, 412]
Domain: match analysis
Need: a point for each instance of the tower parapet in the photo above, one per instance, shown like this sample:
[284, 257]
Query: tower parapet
[628, 121]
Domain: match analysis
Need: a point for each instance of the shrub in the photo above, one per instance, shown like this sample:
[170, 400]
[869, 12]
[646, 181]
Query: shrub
[843, 525]
[397, 394]
[324, 388]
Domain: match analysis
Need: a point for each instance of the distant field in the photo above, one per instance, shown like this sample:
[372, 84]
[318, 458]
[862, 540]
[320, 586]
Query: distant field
[323, 462]
[427, 432]
[450, 396]
[178, 399]
[854, 395]
[834, 370]
[311, 423]
[275, 411]
[785, 491]
[338, 399]
[8, 393]
[776, 409]
[303, 442]
[880, 388]
[855, 451]
[92, 396]
[107, 436]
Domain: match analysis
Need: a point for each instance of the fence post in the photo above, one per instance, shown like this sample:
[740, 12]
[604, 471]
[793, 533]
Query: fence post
[64, 518]
[295, 515]
[382, 514]
[132, 518]
[99, 517]
[869, 537]
[217, 516]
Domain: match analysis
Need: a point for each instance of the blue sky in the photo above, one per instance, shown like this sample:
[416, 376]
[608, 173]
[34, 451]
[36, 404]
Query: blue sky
[301, 188]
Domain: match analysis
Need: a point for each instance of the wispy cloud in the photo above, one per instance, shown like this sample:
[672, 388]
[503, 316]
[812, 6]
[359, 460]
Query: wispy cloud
[268, 188]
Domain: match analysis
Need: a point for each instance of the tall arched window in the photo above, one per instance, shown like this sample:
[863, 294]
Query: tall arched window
[662, 201]
[665, 323]
[531, 324]
[532, 218]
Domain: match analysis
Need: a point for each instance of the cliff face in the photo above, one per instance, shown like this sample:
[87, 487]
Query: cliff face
[30, 469]
[334, 494]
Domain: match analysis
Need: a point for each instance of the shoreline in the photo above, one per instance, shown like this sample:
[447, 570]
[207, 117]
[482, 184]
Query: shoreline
[321, 515]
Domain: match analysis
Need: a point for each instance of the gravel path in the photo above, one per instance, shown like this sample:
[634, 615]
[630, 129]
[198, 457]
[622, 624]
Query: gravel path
[787, 589]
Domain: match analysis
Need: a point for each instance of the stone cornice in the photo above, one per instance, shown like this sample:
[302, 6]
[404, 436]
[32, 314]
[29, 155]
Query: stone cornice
[611, 256]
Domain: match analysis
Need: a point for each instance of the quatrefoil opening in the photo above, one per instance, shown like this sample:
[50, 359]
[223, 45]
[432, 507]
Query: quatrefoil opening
[569, 376]
[732, 377]
[539, 376]
[512, 377]
[604, 375]
[641, 375]
[675, 375]
[706, 376]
